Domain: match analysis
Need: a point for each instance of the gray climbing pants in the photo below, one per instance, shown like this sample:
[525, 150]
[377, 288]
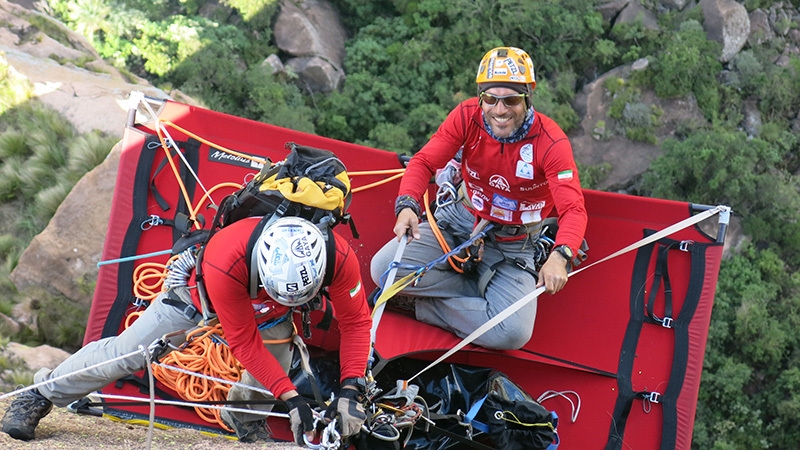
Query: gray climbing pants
[452, 300]
[156, 321]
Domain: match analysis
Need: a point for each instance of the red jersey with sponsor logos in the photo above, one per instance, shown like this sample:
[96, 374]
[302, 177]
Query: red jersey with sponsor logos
[507, 183]
[226, 277]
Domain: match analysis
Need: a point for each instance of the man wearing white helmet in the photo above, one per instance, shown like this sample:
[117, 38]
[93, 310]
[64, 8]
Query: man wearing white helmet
[292, 260]
[517, 169]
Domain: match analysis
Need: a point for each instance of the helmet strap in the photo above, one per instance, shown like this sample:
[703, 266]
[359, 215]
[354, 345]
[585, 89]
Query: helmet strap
[253, 255]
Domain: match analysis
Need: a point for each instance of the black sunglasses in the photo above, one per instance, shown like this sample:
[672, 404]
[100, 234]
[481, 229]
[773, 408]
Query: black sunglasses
[508, 100]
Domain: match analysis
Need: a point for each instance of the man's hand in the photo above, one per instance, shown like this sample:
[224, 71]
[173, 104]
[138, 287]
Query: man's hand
[349, 410]
[300, 418]
[553, 275]
[407, 225]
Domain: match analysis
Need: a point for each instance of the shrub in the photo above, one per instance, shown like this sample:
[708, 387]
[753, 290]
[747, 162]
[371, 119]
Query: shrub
[722, 167]
[689, 63]
[389, 137]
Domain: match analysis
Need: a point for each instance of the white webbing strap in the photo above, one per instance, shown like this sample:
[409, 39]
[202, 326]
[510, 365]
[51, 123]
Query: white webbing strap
[380, 303]
[138, 97]
[516, 306]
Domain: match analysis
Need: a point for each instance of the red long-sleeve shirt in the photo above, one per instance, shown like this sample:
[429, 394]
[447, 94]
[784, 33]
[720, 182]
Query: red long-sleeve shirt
[511, 183]
[226, 278]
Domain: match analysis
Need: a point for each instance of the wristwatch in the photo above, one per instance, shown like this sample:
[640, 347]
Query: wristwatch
[565, 252]
[359, 383]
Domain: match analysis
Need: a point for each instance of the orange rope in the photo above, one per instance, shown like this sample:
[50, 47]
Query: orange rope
[210, 357]
[202, 355]
[397, 173]
[439, 237]
[207, 195]
[206, 356]
[213, 145]
[176, 173]
[148, 279]
[130, 318]
[377, 183]
[377, 172]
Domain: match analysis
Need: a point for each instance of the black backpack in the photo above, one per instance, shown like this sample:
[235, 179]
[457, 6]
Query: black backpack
[310, 183]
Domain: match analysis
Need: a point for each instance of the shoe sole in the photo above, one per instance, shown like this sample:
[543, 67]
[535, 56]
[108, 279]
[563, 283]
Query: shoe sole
[18, 434]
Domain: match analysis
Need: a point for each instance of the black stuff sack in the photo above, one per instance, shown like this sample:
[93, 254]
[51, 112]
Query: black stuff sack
[519, 424]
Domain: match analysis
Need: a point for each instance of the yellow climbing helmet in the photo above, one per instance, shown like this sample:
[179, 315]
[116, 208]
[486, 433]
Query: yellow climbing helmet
[506, 65]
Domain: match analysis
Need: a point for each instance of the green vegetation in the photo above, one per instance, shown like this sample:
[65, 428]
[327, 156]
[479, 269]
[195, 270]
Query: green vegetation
[41, 159]
[408, 62]
[636, 120]
[689, 63]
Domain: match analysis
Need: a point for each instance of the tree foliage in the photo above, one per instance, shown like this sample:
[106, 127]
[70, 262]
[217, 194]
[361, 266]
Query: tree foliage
[689, 63]
[725, 167]
[744, 402]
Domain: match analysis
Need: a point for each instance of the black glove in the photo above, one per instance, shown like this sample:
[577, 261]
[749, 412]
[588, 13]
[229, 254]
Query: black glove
[300, 418]
[350, 411]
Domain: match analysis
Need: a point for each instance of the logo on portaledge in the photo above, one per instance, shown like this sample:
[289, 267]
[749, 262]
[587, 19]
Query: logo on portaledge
[236, 160]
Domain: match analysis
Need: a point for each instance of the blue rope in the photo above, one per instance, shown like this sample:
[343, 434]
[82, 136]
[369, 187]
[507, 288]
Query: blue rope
[135, 257]
[420, 270]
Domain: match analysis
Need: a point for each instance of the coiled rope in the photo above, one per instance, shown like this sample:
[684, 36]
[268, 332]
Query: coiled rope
[205, 354]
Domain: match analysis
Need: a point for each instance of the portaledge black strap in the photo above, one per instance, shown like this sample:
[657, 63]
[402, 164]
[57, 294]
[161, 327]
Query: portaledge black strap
[680, 325]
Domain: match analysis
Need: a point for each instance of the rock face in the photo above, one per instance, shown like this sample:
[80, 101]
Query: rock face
[728, 23]
[310, 31]
[627, 159]
[89, 96]
[760, 28]
[634, 12]
[35, 358]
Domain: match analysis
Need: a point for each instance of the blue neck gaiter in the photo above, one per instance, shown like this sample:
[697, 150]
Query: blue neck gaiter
[515, 136]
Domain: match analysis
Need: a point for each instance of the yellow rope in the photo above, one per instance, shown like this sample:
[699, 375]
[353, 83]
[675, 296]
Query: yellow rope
[514, 419]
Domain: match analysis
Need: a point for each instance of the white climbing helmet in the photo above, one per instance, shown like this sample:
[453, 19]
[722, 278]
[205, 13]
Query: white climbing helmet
[291, 260]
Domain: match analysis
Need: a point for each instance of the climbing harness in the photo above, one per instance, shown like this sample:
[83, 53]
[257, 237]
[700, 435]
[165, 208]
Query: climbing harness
[473, 253]
[419, 271]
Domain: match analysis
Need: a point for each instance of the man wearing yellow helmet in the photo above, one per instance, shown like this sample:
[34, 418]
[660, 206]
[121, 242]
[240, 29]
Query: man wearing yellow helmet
[515, 170]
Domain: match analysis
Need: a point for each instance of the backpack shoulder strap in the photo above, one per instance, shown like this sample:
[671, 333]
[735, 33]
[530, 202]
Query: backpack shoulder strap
[252, 256]
[330, 253]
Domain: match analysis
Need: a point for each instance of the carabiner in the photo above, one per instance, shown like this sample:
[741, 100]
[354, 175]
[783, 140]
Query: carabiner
[446, 195]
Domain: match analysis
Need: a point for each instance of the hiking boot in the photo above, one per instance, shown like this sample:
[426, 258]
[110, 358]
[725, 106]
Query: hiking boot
[24, 414]
[255, 431]
[404, 305]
